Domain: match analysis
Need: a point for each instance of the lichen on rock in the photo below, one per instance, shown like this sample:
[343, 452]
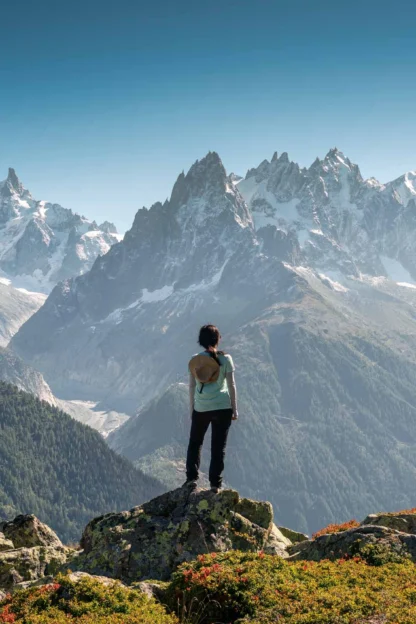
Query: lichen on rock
[150, 541]
[26, 531]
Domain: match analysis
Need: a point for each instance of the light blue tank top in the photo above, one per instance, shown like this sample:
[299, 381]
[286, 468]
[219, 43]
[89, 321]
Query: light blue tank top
[215, 396]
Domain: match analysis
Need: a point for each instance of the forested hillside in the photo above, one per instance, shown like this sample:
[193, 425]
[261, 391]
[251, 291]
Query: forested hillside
[58, 469]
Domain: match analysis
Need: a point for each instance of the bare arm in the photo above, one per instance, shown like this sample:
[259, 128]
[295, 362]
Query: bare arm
[192, 385]
[233, 393]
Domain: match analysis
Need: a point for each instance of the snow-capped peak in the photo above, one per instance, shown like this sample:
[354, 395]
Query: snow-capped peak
[41, 243]
[404, 187]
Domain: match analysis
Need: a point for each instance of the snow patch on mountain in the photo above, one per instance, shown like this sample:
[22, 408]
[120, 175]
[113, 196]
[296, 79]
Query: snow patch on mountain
[156, 295]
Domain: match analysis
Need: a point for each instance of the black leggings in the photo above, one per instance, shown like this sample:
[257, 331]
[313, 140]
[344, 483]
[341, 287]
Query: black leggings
[220, 420]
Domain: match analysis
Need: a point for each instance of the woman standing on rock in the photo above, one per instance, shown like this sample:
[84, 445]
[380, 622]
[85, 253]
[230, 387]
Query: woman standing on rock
[213, 401]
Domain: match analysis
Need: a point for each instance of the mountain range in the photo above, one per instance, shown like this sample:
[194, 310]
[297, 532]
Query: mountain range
[310, 274]
[42, 243]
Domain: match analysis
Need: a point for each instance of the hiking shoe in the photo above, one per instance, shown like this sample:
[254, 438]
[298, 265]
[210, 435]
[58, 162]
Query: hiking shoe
[215, 489]
[190, 485]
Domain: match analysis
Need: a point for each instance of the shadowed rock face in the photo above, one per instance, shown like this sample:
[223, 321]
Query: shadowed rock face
[150, 541]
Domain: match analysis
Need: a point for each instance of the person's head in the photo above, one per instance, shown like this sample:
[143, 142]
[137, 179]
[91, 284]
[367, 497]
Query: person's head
[209, 337]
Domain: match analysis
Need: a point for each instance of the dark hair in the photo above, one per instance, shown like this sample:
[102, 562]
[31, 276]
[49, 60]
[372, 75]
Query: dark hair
[209, 337]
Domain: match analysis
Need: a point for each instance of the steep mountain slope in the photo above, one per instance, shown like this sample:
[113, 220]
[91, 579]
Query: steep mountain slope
[42, 243]
[58, 469]
[16, 306]
[324, 352]
[14, 371]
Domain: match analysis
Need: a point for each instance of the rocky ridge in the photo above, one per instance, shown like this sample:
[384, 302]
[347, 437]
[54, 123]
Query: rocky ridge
[342, 222]
[150, 541]
[29, 551]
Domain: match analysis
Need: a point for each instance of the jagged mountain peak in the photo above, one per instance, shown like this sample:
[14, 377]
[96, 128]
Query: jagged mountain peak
[284, 158]
[207, 174]
[206, 181]
[11, 185]
[210, 166]
[14, 180]
[109, 227]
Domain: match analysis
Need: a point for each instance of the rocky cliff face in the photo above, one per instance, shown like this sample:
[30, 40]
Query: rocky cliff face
[13, 370]
[16, 306]
[42, 243]
[150, 541]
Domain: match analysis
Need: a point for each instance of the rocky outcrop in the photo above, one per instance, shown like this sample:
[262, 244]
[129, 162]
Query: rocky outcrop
[28, 531]
[380, 538]
[144, 546]
[29, 551]
[150, 541]
[405, 522]
[20, 565]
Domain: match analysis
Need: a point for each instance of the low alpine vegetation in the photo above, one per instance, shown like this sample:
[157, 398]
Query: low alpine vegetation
[336, 528]
[263, 589]
[84, 602]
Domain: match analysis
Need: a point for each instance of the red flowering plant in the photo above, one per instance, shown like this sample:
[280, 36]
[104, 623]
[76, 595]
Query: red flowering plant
[336, 528]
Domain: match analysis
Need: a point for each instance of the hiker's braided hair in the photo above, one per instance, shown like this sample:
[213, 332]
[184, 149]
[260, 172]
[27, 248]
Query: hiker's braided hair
[209, 337]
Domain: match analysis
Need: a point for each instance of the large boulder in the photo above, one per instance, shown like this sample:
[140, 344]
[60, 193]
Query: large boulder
[27, 531]
[402, 521]
[375, 544]
[150, 541]
[21, 565]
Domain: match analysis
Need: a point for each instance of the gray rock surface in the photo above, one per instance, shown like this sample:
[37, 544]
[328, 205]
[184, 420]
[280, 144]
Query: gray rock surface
[375, 544]
[26, 531]
[294, 536]
[5, 544]
[22, 565]
[405, 522]
[150, 541]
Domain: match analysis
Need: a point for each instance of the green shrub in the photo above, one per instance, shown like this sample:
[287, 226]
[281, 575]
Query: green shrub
[84, 602]
[262, 589]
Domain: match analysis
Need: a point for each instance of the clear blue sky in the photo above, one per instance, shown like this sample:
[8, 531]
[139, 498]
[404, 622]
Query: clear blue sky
[103, 103]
